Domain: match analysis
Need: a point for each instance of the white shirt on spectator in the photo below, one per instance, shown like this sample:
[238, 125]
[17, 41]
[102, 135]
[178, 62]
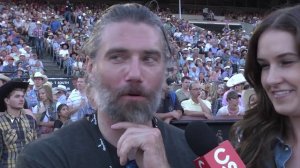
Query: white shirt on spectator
[63, 53]
[74, 101]
[223, 111]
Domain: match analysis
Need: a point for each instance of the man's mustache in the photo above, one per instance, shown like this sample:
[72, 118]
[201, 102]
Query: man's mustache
[133, 90]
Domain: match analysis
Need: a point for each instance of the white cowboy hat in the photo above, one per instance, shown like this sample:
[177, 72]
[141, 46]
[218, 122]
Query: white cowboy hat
[235, 80]
[40, 75]
[61, 87]
[54, 91]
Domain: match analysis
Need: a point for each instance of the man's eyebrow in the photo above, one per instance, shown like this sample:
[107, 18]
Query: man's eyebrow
[122, 50]
[113, 50]
[155, 52]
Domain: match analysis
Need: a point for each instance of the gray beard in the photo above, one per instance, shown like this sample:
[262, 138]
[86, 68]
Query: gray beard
[118, 111]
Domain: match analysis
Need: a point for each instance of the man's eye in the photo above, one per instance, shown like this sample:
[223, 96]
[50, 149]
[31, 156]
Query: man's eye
[116, 58]
[151, 58]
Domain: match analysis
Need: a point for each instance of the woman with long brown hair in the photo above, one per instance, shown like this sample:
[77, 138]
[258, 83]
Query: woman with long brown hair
[45, 111]
[269, 134]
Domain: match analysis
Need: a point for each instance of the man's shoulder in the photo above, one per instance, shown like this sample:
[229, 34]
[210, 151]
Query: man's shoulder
[76, 132]
[63, 148]
[2, 118]
[178, 91]
[74, 92]
[178, 151]
[188, 101]
[223, 110]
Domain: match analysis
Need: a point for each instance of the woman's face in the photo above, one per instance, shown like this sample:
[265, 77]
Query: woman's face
[280, 63]
[64, 111]
[42, 95]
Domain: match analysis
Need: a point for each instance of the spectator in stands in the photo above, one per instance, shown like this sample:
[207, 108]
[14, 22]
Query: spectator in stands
[45, 111]
[202, 78]
[183, 93]
[268, 135]
[38, 33]
[36, 64]
[23, 60]
[170, 108]
[15, 52]
[17, 129]
[63, 54]
[3, 79]
[31, 34]
[32, 95]
[236, 83]
[74, 81]
[175, 74]
[61, 94]
[193, 73]
[55, 24]
[233, 108]
[63, 117]
[10, 68]
[20, 74]
[178, 35]
[195, 106]
[77, 65]
[128, 88]
[216, 96]
[226, 72]
[77, 98]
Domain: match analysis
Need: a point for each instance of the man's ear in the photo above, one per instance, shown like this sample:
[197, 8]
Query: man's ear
[89, 66]
[6, 100]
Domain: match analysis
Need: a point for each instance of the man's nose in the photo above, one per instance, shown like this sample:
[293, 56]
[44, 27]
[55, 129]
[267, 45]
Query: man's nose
[134, 71]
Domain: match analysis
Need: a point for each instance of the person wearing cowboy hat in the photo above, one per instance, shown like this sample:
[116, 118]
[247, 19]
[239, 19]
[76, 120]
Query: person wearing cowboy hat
[31, 97]
[3, 79]
[63, 53]
[61, 94]
[235, 83]
[16, 127]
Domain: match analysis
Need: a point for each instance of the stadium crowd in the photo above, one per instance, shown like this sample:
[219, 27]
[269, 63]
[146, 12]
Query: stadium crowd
[30, 32]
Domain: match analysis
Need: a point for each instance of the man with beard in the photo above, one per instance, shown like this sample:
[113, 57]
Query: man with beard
[128, 53]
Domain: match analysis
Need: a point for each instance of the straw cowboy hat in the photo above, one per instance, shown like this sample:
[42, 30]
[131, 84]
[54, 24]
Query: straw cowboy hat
[40, 75]
[7, 88]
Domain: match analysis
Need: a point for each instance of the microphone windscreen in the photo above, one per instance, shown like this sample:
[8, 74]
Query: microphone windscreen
[200, 138]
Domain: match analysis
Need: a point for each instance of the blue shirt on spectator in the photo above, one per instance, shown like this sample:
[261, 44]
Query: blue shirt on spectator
[31, 98]
[55, 25]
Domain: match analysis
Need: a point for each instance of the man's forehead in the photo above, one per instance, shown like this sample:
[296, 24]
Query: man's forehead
[17, 91]
[130, 35]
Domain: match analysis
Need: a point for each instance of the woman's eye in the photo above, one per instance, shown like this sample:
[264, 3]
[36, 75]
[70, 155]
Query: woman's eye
[264, 66]
[287, 62]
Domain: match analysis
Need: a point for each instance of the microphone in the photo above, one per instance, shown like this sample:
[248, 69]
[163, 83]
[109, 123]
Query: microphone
[204, 143]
